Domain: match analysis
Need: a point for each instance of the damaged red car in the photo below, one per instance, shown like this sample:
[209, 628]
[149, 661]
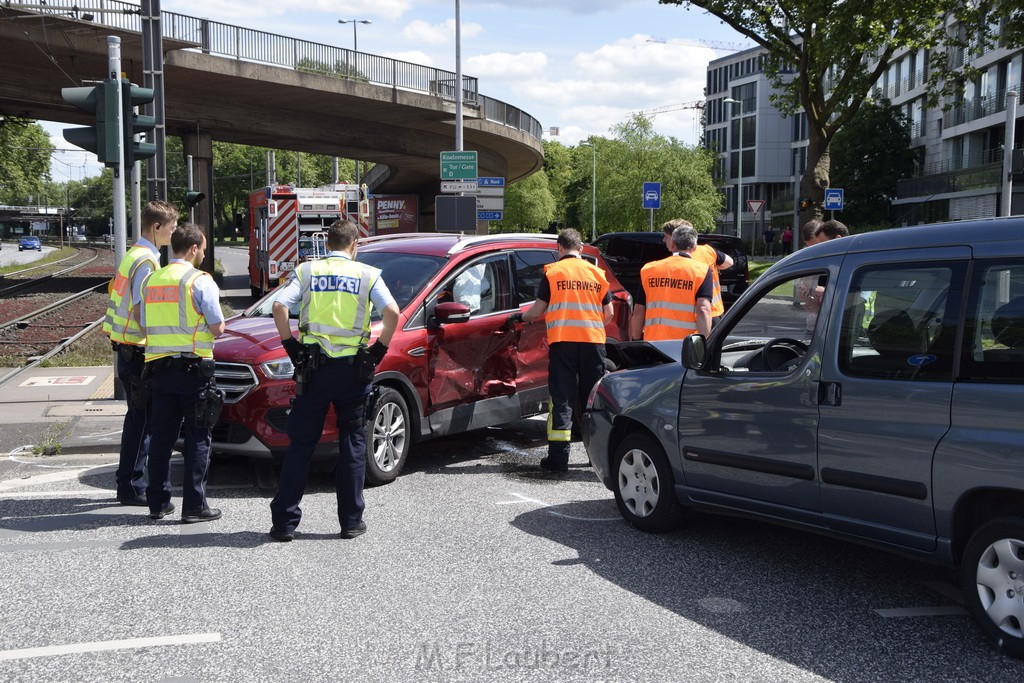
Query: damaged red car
[452, 366]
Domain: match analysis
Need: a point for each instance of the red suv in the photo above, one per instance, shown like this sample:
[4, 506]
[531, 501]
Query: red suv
[453, 364]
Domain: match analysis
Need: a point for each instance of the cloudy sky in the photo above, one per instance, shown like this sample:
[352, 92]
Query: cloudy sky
[579, 65]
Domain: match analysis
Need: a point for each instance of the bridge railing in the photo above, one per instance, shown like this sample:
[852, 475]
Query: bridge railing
[237, 42]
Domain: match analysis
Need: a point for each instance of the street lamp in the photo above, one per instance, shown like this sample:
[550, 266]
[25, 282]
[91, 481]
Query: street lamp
[593, 189]
[351, 71]
[739, 177]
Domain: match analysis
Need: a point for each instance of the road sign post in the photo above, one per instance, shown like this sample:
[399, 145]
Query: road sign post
[459, 165]
[834, 199]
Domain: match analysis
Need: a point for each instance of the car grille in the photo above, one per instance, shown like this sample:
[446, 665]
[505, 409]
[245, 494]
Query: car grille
[278, 419]
[230, 433]
[235, 379]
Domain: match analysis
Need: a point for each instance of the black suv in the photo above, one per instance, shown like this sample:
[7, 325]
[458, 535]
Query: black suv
[627, 252]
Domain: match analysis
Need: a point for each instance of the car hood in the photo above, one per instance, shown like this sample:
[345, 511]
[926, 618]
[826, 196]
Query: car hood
[247, 339]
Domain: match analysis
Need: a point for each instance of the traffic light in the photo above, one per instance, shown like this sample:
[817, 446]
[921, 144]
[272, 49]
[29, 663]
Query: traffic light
[101, 138]
[133, 96]
[192, 198]
[806, 203]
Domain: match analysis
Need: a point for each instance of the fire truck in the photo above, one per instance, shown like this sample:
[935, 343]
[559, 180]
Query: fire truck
[287, 225]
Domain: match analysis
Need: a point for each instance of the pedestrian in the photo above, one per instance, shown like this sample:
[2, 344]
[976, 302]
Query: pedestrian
[333, 296]
[830, 230]
[675, 299]
[181, 317]
[769, 241]
[122, 325]
[714, 259]
[787, 240]
[575, 301]
[809, 233]
[810, 290]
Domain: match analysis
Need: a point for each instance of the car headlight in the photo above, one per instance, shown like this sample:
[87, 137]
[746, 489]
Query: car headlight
[278, 369]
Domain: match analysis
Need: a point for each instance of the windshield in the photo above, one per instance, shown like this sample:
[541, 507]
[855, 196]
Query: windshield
[404, 274]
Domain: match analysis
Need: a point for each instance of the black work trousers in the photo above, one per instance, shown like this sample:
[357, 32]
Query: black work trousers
[332, 384]
[135, 433]
[573, 370]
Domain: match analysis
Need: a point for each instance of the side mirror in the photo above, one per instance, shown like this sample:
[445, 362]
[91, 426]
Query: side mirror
[694, 352]
[451, 312]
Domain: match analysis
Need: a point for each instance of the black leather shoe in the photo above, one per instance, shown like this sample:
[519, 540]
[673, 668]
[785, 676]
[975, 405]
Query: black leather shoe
[281, 535]
[204, 515]
[357, 530]
[167, 509]
[553, 465]
[136, 501]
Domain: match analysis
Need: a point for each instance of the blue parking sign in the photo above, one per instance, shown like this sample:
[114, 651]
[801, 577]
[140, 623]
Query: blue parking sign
[834, 199]
[651, 197]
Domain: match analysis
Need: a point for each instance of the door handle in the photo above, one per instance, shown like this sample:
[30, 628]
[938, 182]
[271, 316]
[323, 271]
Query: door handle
[829, 393]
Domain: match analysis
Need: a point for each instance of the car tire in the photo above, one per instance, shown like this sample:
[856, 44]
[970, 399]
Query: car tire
[644, 485]
[992, 580]
[388, 436]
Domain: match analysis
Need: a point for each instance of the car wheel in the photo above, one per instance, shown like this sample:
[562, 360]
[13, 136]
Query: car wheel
[388, 437]
[644, 485]
[992, 578]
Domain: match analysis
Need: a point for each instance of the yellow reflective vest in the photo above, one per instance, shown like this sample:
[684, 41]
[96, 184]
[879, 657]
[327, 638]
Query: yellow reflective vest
[575, 312]
[708, 254]
[120, 324]
[335, 307]
[173, 324]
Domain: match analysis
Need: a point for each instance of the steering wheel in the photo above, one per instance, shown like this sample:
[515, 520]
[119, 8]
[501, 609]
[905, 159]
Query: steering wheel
[788, 350]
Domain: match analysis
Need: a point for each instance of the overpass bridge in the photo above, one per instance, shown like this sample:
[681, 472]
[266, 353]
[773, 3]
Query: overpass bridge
[244, 86]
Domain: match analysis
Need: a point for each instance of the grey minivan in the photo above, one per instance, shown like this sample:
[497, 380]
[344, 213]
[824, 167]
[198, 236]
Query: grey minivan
[870, 388]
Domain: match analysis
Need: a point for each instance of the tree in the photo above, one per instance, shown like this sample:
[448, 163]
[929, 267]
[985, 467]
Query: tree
[836, 51]
[25, 163]
[529, 206]
[636, 155]
[870, 155]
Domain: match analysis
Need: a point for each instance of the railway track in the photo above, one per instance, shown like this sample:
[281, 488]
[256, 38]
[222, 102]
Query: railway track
[41, 316]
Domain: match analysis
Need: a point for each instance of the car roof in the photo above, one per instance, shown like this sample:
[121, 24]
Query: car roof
[448, 244]
[658, 236]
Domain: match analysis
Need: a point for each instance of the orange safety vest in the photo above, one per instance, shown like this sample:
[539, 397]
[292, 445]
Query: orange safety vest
[670, 286]
[707, 254]
[575, 312]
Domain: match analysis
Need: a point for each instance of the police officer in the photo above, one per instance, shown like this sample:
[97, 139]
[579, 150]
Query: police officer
[334, 366]
[122, 325]
[675, 300]
[575, 302]
[181, 316]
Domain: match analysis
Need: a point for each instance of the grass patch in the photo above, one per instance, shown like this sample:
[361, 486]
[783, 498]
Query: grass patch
[91, 350]
[757, 267]
[57, 255]
[52, 441]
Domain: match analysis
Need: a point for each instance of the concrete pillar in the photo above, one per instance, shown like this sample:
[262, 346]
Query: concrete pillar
[200, 147]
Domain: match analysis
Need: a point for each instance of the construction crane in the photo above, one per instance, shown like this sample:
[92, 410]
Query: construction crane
[713, 44]
[650, 113]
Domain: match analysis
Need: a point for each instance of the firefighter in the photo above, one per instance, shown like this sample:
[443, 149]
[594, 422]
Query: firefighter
[121, 324]
[675, 300]
[181, 316]
[575, 301]
[716, 260]
[333, 296]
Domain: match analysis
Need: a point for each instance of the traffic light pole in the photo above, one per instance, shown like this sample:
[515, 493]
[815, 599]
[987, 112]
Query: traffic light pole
[120, 204]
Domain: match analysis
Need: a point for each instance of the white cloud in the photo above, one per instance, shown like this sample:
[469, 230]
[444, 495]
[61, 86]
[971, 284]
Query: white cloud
[411, 56]
[506, 67]
[568, 6]
[439, 34]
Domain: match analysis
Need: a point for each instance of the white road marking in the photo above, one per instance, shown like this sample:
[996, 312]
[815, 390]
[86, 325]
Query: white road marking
[920, 612]
[101, 646]
[526, 499]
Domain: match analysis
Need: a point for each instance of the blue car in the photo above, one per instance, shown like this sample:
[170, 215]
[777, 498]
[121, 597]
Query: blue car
[30, 242]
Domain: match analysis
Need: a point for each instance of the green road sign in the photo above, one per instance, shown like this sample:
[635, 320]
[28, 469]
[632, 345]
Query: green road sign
[458, 165]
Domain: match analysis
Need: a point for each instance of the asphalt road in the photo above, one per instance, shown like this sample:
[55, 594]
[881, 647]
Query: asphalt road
[9, 254]
[476, 566]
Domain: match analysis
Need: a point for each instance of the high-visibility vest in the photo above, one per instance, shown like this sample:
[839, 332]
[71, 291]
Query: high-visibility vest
[173, 325]
[707, 254]
[335, 308]
[119, 323]
[670, 286]
[575, 312]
